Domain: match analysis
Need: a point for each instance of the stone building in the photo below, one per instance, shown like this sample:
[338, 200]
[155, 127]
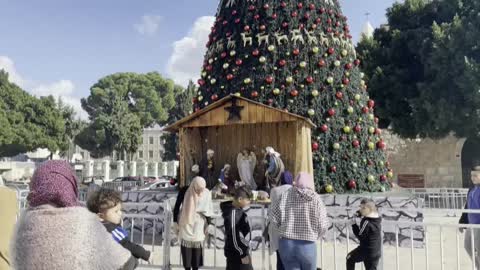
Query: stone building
[432, 163]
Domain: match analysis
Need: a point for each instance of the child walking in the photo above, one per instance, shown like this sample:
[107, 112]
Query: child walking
[237, 250]
[195, 216]
[370, 235]
[107, 204]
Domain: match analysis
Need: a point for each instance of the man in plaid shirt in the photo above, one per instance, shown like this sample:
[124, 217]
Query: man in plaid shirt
[301, 219]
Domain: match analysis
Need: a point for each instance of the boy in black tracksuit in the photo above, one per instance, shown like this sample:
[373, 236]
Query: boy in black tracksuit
[237, 250]
[370, 235]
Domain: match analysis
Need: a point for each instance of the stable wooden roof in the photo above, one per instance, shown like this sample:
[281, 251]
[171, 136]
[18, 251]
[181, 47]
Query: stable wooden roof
[252, 112]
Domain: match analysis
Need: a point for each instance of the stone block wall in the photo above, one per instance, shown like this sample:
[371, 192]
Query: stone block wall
[438, 160]
[257, 213]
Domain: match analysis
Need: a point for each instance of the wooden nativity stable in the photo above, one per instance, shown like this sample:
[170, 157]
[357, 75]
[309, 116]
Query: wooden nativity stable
[234, 123]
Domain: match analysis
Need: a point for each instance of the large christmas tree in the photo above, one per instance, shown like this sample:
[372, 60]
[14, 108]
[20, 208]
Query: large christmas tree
[298, 55]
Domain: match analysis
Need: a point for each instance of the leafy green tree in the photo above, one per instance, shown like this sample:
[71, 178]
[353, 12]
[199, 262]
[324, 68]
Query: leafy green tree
[28, 122]
[398, 63]
[182, 109]
[120, 106]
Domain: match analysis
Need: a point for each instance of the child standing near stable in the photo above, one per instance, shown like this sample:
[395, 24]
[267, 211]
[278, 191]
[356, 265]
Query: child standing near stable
[369, 233]
[107, 204]
[237, 248]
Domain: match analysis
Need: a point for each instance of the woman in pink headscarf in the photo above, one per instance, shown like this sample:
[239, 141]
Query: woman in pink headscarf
[56, 233]
[300, 218]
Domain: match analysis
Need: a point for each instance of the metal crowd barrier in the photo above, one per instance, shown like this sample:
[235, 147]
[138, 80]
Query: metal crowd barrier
[443, 198]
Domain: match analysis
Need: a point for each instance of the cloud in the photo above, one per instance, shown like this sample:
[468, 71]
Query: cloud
[187, 57]
[8, 65]
[63, 89]
[149, 25]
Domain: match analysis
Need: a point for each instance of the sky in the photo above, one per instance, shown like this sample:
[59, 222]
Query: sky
[62, 47]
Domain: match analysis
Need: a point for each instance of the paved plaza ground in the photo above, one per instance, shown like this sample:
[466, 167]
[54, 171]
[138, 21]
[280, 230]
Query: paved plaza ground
[453, 258]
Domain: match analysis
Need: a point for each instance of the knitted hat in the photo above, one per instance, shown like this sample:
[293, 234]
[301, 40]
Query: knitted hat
[54, 183]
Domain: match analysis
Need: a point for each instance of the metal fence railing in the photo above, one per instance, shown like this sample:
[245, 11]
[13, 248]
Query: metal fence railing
[443, 198]
[442, 248]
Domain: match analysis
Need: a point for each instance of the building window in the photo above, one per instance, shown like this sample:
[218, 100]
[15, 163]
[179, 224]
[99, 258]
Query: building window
[150, 154]
[151, 140]
[140, 154]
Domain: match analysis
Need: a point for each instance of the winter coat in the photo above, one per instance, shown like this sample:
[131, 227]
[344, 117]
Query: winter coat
[49, 238]
[369, 233]
[8, 217]
[236, 230]
[121, 236]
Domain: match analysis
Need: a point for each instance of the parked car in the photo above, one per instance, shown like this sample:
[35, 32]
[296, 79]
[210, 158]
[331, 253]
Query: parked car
[158, 185]
[98, 180]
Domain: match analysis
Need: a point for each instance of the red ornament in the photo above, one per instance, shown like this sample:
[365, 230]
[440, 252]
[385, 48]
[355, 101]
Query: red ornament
[318, 20]
[300, 5]
[263, 27]
[225, 22]
[329, 30]
[230, 77]
[223, 55]
[339, 95]
[378, 131]
[246, 28]
[337, 24]
[274, 16]
[333, 169]
[381, 145]
[356, 143]
[383, 178]
[237, 20]
[371, 103]
[322, 10]
[306, 16]
[296, 52]
[357, 128]
[309, 79]
[254, 94]
[345, 81]
[356, 62]
[214, 97]
[256, 17]
[270, 101]
[324, 128]
[269, 79]
[256, 52]
[331, 112]
[322, 63]
[239, 62]
[311, 6]
[352, 184]
[283, 5]
[315, 146]
[234, 12]
[365, 110]
[282, 62]
[294, 93]
[285, 24]
[331, 50]
[294, 14]
[251, 8]
[266, 6]
[348, 66]
[329, 21]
